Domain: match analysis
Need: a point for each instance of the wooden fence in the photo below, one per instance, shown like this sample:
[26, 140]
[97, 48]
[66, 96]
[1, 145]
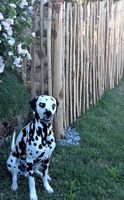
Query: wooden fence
[77, 55]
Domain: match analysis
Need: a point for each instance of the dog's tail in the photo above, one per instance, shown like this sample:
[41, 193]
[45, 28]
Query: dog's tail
[13, 141]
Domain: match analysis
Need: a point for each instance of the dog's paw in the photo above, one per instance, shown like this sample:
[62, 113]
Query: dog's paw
[14, 187]
[49, 189]
[34, 197]
[49, 178]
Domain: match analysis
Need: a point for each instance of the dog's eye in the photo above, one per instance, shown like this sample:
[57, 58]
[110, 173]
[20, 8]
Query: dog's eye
[53, 106]
[42, 105]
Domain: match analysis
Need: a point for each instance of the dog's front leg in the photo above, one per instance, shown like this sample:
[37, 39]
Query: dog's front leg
[33, 195]
[45, 177]
[14, 182]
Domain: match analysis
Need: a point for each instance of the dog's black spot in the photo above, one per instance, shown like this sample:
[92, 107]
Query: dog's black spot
[49, 125]
[33, 103]
[15, 154]
[41, 155]
[11, 160]
[37, 152]
[46, 99]
[42, 105]
[34, 144]
[9, 165]
[46, 161]
[52, 99]
[45, 129]
[44, 169]
[36, 138]
[50, 132]
[52, 140]
[31, 174]
[31, 133]
[22, 146]
[49, 142]
[39, 131]
[29, 166]
[32, 139]
[30, 154]
[43, 142]
[21, 167]
[37, 116]
[24, 132]
[22, 158]
[40, 146]
[53, 106]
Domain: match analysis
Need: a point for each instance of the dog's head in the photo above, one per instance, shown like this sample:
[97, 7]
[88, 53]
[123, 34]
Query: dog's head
[44, 107]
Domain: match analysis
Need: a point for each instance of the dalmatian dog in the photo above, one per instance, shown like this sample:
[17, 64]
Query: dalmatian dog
[31, 151]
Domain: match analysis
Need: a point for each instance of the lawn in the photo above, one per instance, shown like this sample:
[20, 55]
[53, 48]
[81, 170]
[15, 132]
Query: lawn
[94, 170]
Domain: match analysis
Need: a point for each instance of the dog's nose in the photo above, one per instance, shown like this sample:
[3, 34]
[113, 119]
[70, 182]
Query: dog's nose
[48, 113]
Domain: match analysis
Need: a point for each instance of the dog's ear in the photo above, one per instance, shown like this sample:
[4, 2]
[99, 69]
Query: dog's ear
[57, 103]
[33, 104]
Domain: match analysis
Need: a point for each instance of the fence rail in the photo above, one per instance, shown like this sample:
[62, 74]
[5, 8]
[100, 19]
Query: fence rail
[77, 55]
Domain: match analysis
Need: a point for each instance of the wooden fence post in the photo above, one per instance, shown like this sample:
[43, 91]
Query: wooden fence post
[57, 68]
[33, 88]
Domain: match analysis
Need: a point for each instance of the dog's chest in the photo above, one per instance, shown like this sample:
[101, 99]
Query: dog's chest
[41, 144]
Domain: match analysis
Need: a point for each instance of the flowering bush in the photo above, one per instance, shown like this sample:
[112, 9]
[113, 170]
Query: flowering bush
[15, 37]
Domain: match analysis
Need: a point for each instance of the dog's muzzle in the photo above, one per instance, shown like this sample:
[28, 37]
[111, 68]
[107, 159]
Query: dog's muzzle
[48, 116]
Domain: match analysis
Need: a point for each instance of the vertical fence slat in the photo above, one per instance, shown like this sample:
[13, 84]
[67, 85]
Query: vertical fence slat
[74, 62]
[41, 45]
[49, 24]
[33, 89]
[67, 66]
[87, 56]
[57, 69]
[70, 65]
[78, 33]
[63, 65]
[81, 58]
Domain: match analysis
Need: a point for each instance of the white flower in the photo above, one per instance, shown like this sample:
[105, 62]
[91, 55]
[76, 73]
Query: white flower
[33, 34]
[6, 25]
[11, 41]
[12, 5]
[23, 3]
[5, 35]
[29, 56]
[10, 31]
[2, 65]
[31, 10]
[21, 51]
[10, 53]
[19, 48]
[10, 21]
[17, 62]
[24, 52]
[1, 17]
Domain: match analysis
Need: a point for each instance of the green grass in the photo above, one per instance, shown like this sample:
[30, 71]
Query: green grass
[13, 96]
[92, 171]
